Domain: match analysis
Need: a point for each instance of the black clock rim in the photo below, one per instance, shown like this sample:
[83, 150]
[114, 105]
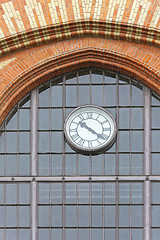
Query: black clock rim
[95, 151]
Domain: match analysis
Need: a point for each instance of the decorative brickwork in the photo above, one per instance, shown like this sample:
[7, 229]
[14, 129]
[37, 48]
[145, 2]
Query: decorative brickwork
[58, 36]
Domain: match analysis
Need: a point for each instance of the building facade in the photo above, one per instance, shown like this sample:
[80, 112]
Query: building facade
[57, 56]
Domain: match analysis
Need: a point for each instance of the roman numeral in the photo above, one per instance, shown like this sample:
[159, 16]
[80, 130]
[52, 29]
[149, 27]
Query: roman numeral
[89, 115]
[104, 121]
[81, 142]
[90, 144]
[73, 130]
[75, 137]
[81, 117]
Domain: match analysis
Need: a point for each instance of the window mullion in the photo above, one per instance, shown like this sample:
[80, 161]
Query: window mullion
[147, 193]
[34, 122]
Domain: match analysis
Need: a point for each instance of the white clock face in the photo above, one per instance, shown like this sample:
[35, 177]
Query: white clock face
[90, 129]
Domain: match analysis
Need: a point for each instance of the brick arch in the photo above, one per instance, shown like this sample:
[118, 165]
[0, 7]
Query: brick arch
[32, 67]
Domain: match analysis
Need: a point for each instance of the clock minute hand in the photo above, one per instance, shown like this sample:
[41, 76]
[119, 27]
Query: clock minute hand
[84, 125]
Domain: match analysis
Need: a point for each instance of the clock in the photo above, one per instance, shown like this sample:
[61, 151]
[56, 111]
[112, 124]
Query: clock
[90, 129]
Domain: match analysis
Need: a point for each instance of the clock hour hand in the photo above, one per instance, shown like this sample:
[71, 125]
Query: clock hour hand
[84, 125]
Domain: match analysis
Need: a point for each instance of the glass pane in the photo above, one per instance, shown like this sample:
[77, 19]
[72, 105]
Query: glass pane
[44, 98]
[2, 165]
[155, 216]
[43, 216]
[57, 96]
[137, 193]
[155, 141]
[24, 119]
[123, 234]
[24, 142]
[96, 216]
[56, 234]
[70, 193]
[110, 164]
[97, 76]
[97, 95]
[96, 193]
[137, 118]
[109, 193]
[71, 78]
[24, 165]
[137, 234]
[155, 234]
[70, 234]
[43, 234]
[83, 190]
[57, 141]
[11, 234]
[56, 216]
[124, 117]
[84, 77]
[124, 164]
[71, 164]
[24, 193]
[97, 165]
[137, 164]
[24, 218]
[136, 216]
[83, 234]
[110, 95]
[2, 210]
[56, 119]
[124, 193]
[24, 234]
[110, 216]
[11, 168]
[137, 96]
[70, 211]
[56, 164]
[124, 216]
[56, 193]
[44, 165]
[44, 119]
[1, 142]
[1, 193]
[109, 234]
[84, 95]
[124, 95]
[11, 193]
[137, 141]
[83, 165]
[124, 141]
[71, 95]
[43, 142]
[110, 78]
[97, 234]
[44, 193]
[156, 193]
[11, 142]
[12, 124]
[156, 163]
[83, 216]
[11, 216]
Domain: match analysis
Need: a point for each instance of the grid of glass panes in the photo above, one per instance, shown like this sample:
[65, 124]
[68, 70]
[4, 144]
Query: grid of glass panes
[15, 142]
[121, 96]
[95, 210]
[15, 211]
[155, 130]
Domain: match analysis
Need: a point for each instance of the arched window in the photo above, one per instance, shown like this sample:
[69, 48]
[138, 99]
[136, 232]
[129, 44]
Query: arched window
[48, 191]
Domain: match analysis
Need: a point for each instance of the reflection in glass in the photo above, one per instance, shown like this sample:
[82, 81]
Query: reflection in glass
[97, 165]
[137, 118]
[70, 211]
[44, 165]
[71, 164]
[44, 119]
[24, 218]
[109, 234]
[110, 164]
[11, 142]
[56, 197]
[83, 165]
[56, 96]
[97, 234]
[124, 117]
[83, 234]
[124, 95]
[110, 95]
[43, 142]
[11, 165]
[136, 216]
[71, 96]
[56, 234]
[24, 165]
[44, 193]
[137, 96]
[84, 95]
[24, 119]
[56, 119]
[97, 96]
[70, 234]
[24, 142]
[83, 190]
[11, 193]
[57, 142]
[96, 193]
[124, 164]
[124, 197]
[11, 216]
[109, 197]
[56, 164]
[70, 193]
[124, 141]
[137, 141]
[123, 234]
[43, 216]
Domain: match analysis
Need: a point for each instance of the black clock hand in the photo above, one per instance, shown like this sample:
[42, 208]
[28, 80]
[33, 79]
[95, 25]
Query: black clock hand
[84, 125]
